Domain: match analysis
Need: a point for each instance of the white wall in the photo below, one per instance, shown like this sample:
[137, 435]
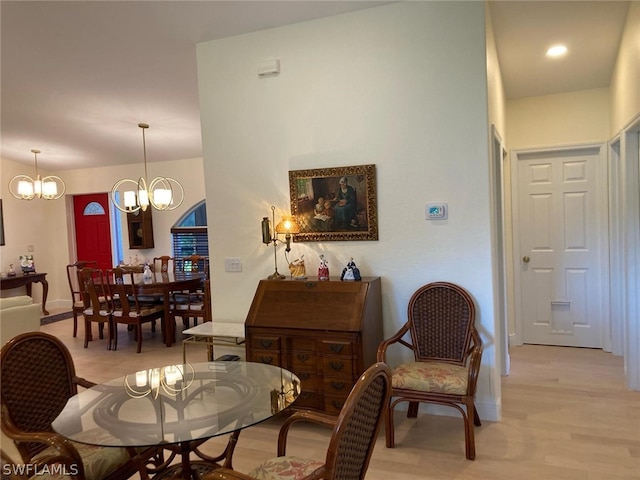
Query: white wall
[561, 119]
[625, 82]
[46, 224]
[402, 86]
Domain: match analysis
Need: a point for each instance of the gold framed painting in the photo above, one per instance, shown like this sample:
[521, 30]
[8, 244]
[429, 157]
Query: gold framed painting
[334, 203]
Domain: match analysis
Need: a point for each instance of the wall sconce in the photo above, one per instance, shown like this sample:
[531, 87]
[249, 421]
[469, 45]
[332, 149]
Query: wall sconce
[160, 193]
[23, 187]
[287, 227]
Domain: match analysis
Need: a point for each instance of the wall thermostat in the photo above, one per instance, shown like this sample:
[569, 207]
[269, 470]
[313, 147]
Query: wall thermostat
[436, 211]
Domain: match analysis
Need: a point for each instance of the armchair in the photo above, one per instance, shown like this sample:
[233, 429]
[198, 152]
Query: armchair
[447, 351]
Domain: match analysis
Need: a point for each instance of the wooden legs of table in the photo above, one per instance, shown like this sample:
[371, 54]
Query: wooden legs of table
[45, 291]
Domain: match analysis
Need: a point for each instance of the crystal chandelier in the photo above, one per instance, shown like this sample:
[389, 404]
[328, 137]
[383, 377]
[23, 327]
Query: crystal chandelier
[130, 196]
[24, 187]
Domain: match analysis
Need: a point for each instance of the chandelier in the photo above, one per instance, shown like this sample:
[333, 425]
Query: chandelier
[23, 187]
[129, 195]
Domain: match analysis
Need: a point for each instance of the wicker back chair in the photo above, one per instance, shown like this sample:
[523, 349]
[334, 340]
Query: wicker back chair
[77, 304]
[355, 431]
[38, 377]
[447, 350]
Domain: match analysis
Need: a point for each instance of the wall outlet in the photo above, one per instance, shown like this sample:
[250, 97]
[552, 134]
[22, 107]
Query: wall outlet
[30, 248]
[232, 265]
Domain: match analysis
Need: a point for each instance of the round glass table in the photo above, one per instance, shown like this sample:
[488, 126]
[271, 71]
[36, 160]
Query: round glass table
[179, 407]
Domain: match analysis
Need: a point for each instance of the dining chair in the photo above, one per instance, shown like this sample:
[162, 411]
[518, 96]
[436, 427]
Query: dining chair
[193, 305]
[38, 378]
[96, 309]
[193, 263]
[355, 431]
[163, 264]
[77, 303]
[190, 305]
[447, 351]
[127, 309]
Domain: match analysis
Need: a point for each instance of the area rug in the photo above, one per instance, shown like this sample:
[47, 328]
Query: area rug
[55, 318]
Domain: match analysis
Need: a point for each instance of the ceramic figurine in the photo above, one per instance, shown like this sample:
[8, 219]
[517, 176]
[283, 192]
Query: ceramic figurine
[11, 272]
[323, 269]
[351, 272]
[297, 269]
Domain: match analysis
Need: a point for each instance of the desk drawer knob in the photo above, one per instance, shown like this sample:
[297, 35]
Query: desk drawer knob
[335, 348]
[266, 343]
[267, 360]
[303, 357]
[338, 385]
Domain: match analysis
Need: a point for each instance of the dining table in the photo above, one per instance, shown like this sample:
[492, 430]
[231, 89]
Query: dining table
[177, 408]
[164, 284]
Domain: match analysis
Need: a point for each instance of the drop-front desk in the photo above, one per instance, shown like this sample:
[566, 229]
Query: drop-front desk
[326, 332]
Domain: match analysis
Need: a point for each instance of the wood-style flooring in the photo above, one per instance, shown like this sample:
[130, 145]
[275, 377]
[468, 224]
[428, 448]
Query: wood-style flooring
[566, 415]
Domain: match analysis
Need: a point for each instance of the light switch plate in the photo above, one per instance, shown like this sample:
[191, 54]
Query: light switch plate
[436, 211]
[232, 265]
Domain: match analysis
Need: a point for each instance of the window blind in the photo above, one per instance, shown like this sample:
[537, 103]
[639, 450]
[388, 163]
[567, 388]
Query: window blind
[189, 241]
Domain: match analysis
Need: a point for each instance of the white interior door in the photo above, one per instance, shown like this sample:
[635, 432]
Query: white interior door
[560, 221]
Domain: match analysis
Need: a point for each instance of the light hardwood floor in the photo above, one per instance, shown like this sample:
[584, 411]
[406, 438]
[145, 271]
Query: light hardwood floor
[566, 415]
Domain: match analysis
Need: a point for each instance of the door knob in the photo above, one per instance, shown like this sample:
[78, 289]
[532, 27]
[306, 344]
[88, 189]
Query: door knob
[526, 259]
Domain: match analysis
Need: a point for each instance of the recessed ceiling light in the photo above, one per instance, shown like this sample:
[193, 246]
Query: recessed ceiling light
[557, 51]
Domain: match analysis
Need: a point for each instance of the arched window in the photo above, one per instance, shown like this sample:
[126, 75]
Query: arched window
[190, 232]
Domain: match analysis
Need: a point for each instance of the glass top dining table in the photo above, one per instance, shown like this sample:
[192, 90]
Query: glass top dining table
[178, 407]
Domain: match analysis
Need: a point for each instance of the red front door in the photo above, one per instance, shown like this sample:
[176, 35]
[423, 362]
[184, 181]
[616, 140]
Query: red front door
[93, 232]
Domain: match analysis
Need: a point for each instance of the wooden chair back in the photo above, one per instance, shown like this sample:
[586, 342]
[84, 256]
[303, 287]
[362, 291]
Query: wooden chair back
[77, 303]
[193, 263]
[163, 264]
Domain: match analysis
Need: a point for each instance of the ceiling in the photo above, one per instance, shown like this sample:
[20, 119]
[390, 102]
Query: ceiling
[77, 77]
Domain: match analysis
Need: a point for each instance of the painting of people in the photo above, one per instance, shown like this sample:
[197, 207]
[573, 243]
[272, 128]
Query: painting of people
[335, 203]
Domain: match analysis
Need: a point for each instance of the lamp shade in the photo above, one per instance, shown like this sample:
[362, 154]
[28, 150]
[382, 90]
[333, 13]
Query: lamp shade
[288, 225]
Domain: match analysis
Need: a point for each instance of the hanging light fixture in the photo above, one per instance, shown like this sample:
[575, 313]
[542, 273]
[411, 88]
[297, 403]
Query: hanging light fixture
[159, 193]
[24, 187]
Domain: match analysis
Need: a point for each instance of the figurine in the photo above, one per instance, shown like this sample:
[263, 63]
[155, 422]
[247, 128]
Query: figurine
[297, 268]
[11, 272]
[351, 272]
[323, 269]
[147, 274]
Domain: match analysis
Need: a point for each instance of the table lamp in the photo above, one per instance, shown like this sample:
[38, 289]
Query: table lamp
[287, 227]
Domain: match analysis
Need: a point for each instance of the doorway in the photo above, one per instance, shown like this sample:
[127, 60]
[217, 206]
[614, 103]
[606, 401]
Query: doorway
[561, 245]
[92, 228]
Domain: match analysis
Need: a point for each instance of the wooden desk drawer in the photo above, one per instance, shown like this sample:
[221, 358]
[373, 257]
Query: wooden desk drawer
[337, 386]
[337, 347]
[308, 381]
[303, 361]
[270, 358]
[337, 367]
[334, 403]
[264, 342]
[310, 400]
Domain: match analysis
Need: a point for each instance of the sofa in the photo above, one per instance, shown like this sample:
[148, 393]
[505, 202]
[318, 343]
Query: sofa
[18, 315]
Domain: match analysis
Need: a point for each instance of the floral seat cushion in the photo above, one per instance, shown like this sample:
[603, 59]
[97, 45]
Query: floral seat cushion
[286, 468]
[98, 462]
[431, 377]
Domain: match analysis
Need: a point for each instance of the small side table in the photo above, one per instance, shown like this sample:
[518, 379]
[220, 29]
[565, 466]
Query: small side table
[25, 280]
[213, 333]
